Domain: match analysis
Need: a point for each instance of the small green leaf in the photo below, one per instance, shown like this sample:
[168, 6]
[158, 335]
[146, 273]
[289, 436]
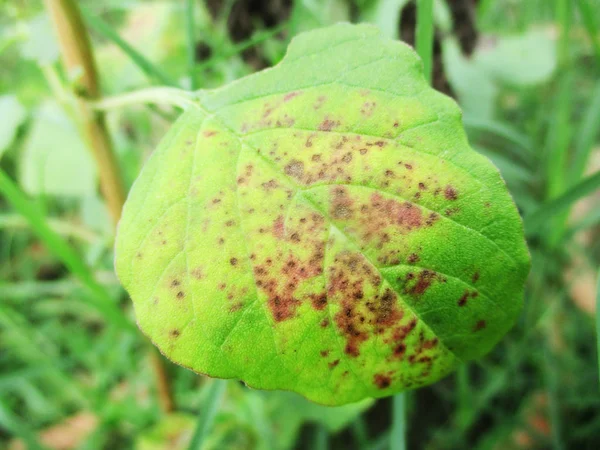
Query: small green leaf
[323, 227]
[55, 160]
[13, 114]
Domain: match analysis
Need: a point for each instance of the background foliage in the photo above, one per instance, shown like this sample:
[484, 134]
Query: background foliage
[74, 373]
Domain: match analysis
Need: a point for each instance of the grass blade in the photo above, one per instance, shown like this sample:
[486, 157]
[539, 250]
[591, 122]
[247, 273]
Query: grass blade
[586, 135]
[257, 38]
[15, 426]
[100, 299]
[216, 389]
[190, 27]
[321, 438]
[588, 16]
[505, 132]
[398, 437]
[424, 35]
[535, 220]
[109, 33]
[598, 320]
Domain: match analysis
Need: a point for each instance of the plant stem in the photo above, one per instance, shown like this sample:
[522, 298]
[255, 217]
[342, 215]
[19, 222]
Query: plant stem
[216, 389]
[158, 95]
[190, 27]
[398, 438]
[598, 321]
[79, 61]
[424, 35]
[78, 58]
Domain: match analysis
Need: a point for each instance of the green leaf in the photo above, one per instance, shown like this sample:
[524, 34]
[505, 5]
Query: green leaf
[323, 227]
[13, 114]
[55, 160]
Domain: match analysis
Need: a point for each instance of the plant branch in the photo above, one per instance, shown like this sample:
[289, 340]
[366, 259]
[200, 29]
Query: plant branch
[79, 61]
[157, 95]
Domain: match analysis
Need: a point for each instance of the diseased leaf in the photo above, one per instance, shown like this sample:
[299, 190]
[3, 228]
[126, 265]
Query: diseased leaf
[323, 227]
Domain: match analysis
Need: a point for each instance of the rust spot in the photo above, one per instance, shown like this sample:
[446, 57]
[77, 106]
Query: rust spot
[341, 204]
[324, 323]
[319, 301]
[197, 273]
[450, 193]
[382, 381]
[175, 283]
[236, 307]
[463, 300]
[422, 186]
[424, 280]
[386, 313]
[475, 277]
[399, 350]
[233, 261]
[174, 333]
[180, 294]
[209, 133]
[413, 258]
[319, 102]
[295, 168]
[290, 96]
[347, 157]
[334, 363]
[324, 353]
[479, 326]
[328, 124]
[278, 229]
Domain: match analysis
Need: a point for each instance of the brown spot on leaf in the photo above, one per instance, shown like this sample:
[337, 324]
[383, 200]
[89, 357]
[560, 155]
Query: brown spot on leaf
[463, 300]
[424, 280]
[295, 168]
[413, 258]
[319, 301]
[382, 381]
[278, 228]
[180, 294]
[475, 277]
[233, 261]
[290, 96]
[328, 124]
[209, 133]
[324, 353]
[174, 333]
[175, 283]
[334, 363]
[450, 193]
[341, 203]
[479, 326]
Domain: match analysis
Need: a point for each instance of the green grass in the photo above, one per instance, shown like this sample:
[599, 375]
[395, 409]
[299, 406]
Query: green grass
[68, 342]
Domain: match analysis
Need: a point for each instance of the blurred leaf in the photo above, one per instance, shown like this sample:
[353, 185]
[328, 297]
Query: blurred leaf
[172, 432]
[523, 60]
[41, 45]
[290, 411]
[55, 160]
[536, 220]
[475, 88]
[13, 114]
[309, 14]
[385, 14]
[150, 69]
